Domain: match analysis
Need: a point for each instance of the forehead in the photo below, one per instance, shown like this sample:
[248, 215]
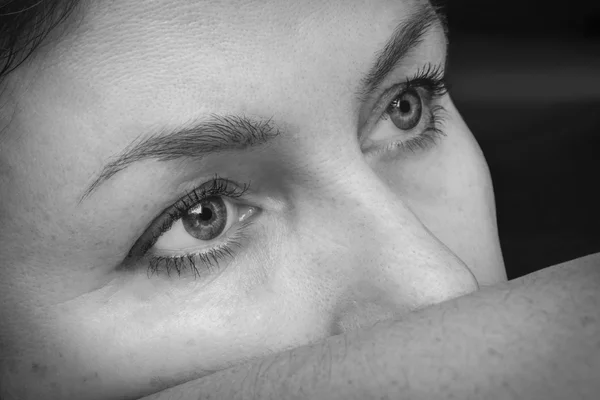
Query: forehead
[217, 25]
[129, 66]
[118, 32]
[191, 46]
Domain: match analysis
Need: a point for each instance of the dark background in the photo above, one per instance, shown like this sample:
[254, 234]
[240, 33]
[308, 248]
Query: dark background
[525, 75]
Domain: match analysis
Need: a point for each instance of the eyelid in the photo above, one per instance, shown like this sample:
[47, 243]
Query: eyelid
[241, 212]
[380, 106]
[390, 93]
[170, 214]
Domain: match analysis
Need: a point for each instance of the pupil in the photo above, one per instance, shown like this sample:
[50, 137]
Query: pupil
[404, 106]
[205, 214]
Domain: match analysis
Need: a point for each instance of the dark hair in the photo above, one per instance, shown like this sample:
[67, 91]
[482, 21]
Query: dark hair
[24, 24]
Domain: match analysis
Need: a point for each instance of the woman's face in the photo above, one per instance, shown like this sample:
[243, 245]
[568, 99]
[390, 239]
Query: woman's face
[189, 185]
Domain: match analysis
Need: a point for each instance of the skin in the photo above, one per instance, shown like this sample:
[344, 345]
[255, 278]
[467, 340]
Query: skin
[535, 337]
[342, 241]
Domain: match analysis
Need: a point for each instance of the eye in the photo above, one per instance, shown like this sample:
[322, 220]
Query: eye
[415, 116]
[406, 110]
[201, 225]
[198, 232]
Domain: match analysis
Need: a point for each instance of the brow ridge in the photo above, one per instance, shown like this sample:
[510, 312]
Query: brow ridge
[218, 133]
[221, 133]
[407, 35]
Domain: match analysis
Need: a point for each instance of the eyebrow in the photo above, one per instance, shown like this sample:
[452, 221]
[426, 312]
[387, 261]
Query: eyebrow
[216, 134]
[221, 133]
[407, 36]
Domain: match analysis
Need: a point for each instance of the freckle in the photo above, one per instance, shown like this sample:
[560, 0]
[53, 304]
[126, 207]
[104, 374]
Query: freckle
[91, 378]
[39, 369]
[587, 320]
[191, 342]
[156, 382]
[493, 352]
[12, 366]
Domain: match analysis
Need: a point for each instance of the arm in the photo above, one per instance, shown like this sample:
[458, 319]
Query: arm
[535, 337]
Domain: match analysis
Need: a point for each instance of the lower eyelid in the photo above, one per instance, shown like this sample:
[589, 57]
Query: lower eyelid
[207, 264]
[430, 132]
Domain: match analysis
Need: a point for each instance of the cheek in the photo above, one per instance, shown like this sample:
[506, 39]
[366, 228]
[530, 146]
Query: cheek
[450, 190]
[469, 227]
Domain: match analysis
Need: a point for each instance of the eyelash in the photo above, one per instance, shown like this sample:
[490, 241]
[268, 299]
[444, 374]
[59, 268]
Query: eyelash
[432, 80]
[209, 259]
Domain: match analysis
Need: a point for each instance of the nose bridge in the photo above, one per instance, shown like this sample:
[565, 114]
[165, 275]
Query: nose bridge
[374, 219]
[385, 262]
